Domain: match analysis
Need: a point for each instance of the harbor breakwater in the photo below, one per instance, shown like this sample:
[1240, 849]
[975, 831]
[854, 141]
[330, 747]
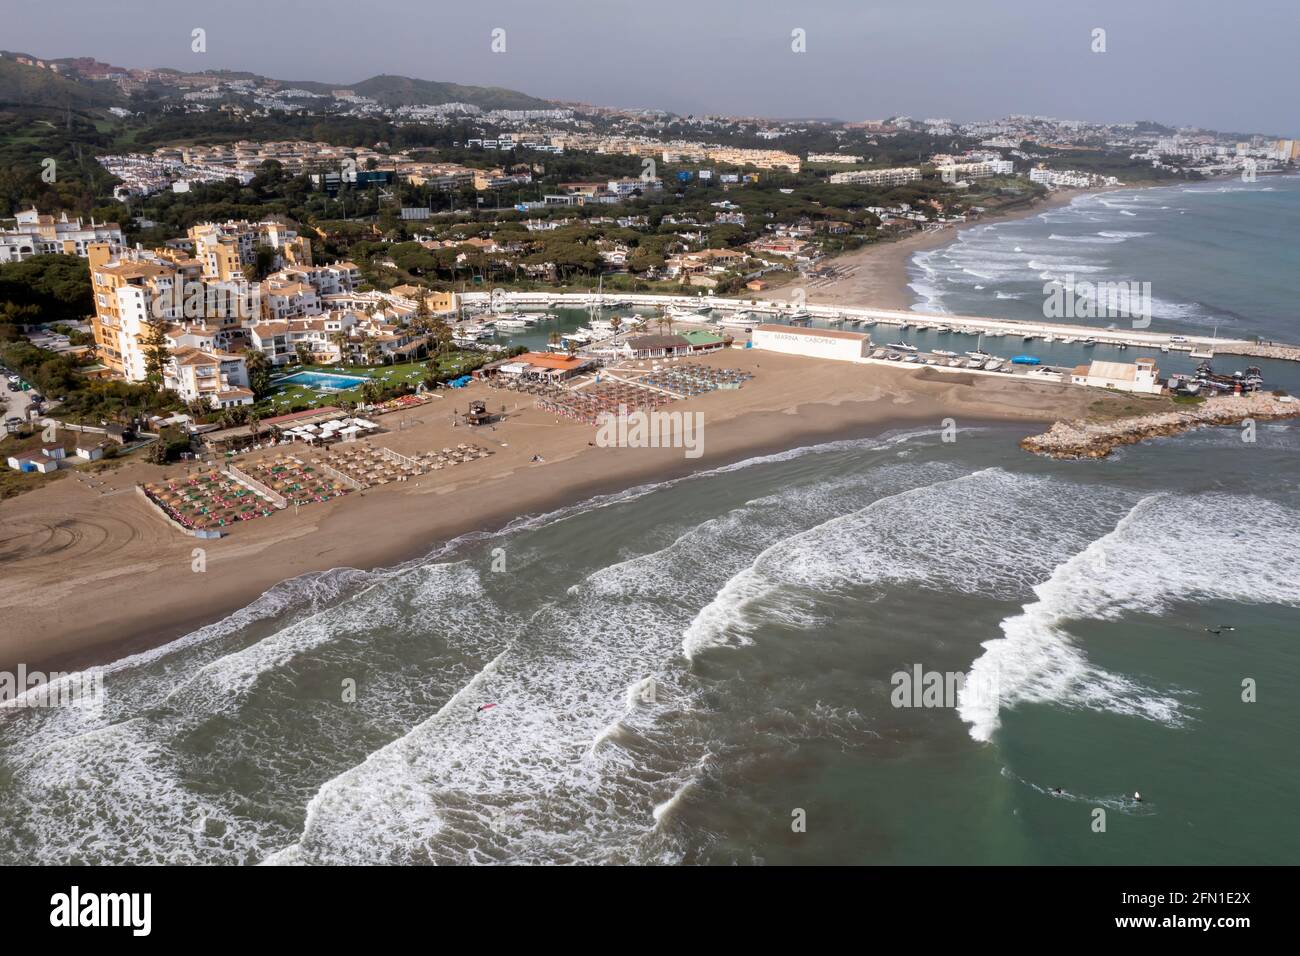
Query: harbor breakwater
[1088, 439]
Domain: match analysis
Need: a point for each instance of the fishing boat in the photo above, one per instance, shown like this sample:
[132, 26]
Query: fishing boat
[1089, 342]
[799, 315]
[738, 320]
[691, 315]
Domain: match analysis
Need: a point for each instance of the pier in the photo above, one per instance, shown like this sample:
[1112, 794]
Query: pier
[1200, 346]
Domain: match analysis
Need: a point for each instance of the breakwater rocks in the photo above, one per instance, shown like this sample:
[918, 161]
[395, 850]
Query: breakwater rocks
[1085, 439]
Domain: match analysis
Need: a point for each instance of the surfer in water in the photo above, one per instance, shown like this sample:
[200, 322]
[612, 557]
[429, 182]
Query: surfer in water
[483, 707]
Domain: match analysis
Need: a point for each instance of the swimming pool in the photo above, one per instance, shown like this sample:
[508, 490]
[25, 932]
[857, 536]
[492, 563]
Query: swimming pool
[323, 380]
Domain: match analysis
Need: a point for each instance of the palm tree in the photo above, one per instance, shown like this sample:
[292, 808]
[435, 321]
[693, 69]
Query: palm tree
[371, 350]
[341, 339]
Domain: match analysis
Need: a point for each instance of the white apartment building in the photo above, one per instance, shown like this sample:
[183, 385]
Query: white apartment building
[1060, 177]
[219, 379]
[952, 172]
[625, 187]
[33, 235]
[878, 177]
[833, 158]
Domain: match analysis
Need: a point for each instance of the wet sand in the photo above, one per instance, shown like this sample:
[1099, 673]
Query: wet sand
[94, 573]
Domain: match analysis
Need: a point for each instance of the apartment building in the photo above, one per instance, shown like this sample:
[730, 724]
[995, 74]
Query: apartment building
[953, 172]
[895, 176]
[133, 291]
[834, 158]
[1060, 177]
[323, 335]
[218, 379]
[226, 248]
[628, 186]
[33, 234]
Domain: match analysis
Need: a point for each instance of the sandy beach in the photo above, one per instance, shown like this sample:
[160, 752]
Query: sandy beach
[94, 573]
[876, 275]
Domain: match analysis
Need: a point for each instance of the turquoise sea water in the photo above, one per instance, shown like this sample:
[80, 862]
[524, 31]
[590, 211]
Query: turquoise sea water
[705, 671]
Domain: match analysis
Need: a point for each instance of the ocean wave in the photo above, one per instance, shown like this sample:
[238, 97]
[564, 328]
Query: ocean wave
[942, 535]
[574, 760]
[1142, 566]
[1100, 239]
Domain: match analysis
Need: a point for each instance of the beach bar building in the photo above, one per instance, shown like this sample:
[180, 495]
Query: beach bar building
[538, 366]
[653, 346]
[814, 343]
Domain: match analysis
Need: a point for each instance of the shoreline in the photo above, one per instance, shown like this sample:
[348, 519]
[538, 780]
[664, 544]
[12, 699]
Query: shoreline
[880, 270]
[103, 577]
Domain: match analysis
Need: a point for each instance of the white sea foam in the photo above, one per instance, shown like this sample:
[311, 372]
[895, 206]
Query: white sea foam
[946, 536]
[572, 762]
[1142, 566]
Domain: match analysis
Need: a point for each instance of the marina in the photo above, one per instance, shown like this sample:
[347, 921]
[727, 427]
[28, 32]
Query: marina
[937, 339]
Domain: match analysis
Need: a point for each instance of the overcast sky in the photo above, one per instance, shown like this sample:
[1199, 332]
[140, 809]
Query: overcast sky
[1227, 64]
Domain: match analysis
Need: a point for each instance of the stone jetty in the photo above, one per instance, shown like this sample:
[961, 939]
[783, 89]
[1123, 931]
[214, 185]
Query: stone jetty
[1096, 439]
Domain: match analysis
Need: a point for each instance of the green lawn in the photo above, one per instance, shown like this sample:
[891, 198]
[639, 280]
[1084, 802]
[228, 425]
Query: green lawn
[409, 373]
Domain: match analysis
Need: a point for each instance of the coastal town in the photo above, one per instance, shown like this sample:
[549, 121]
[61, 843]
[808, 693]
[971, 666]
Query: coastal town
[235, 329]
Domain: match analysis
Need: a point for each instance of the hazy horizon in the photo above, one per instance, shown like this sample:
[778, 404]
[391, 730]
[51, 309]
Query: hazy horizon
[1180, 63]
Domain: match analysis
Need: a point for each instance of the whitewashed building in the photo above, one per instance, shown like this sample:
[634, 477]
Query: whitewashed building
[1141, 376]
[33, 234]
[814, 343]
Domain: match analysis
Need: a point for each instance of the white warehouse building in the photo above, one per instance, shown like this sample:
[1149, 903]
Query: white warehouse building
[1141, 376]
[814, 343]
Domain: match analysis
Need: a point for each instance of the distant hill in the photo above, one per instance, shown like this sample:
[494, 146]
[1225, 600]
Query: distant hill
[22, 85]
[405, 91]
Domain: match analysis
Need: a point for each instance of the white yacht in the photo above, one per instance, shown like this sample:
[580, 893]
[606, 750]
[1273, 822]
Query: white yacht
[515, 321]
